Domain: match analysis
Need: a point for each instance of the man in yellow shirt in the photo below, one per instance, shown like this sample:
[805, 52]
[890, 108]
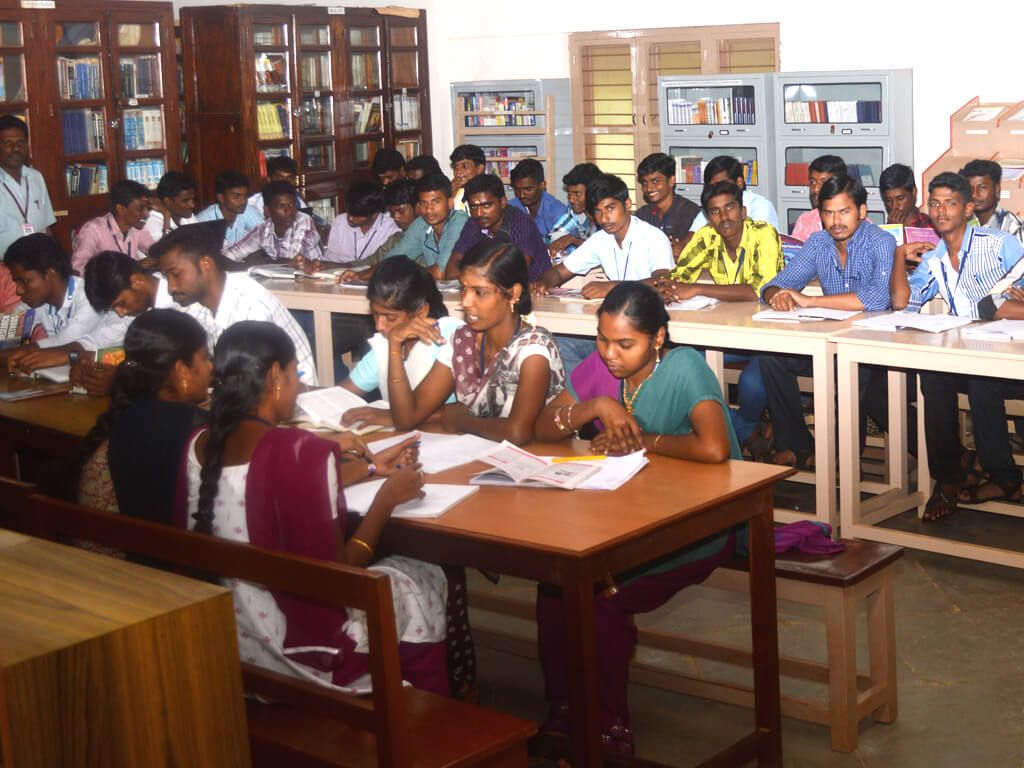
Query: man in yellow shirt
[741, 256]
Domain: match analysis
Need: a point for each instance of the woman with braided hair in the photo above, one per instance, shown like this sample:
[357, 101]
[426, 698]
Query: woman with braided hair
[129, 460]
[246, 479]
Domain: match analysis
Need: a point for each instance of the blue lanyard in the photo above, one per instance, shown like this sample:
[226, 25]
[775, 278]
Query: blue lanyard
[431, 241]
[950, 297]
[55, 317]
[369, 238]
[739, 264]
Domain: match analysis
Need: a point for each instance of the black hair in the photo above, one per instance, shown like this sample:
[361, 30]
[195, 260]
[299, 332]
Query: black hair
[126, 192]
[842, 185]
[957, 182]
[528, 169]
[994, 171]
[226, 180]
[720, 188]
[485, 182]
[194, 241]
[726, 163]
[640, 303]
[245, 353]
[832, 164]
[504, 265]
[38, 252]
[281, 164]
[13, 121]
[402, 284]
[604, 186]
[106, 275]
[364, 198]
[400, 192]
[387, 160]
[154, 342]
[584, 173]
[468, 152]
[658, 162]
[426, 163]
[173, 183]
[275, 188]
[434, 182]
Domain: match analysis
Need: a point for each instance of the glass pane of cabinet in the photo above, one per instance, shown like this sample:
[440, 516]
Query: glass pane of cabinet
[403, 36]
[138, 35]
[315, 71]
[710, 106]
[84, 131]
[12, 77]
[864, 163]
[364, 37]
[315, 34]
[318, 158]
[405, 69]
[607, 87]
[272, 73]
[316, 116]
[754, 54]
[833, 103]
[143, 128]
[140, 77]
[366, 70]
[270, 35]
[77, 33]
[85, 179]
[10, 33]
[79, 77]
[366, 115]
[406, 112]
[691, 162]
[146, 171]
[365, 152]
[408, 147]
[273, 120]
[501, 103]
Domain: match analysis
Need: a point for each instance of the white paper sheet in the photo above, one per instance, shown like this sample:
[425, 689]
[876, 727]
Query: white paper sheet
[438, 498]
[895, 321]
[439, 452]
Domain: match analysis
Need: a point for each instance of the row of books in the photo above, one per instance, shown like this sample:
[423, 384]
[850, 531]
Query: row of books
[798, 174]
[365, 71]
[272, 72]
[406, 112]
[366, 116]
[735, 110]
[140, 77]
[690, 170]
[273, 121]
[80, 78]
[86, 179]
[316, 71]
[147, 172]
[489, 102]
[820, 111]
[143, 129]
[84, 131]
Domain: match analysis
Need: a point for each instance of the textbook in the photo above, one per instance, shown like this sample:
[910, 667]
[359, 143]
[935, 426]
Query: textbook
[569, 294]
[437, 499]
[898, 321]
[692, 303]
[14, 388]
[324, 408]
[1000, 330]
[801, 314]
[288, 272]
[15, 327]
[514, 466]
[440, 451]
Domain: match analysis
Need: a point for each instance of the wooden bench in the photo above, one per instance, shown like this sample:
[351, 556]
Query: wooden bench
[837, 584]
[305, 724]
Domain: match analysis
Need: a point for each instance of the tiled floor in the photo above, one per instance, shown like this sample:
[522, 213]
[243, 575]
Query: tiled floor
[960, 659]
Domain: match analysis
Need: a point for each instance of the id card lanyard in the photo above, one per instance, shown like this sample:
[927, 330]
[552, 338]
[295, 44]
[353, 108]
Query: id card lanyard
[56, 318]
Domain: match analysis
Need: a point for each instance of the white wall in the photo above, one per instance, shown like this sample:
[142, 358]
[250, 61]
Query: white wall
[955, 55]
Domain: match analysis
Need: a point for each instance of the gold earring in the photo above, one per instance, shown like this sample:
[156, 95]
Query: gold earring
[277, 392]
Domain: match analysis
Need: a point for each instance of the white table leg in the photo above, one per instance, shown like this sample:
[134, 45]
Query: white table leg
[716, 362]
[924, 476]
[825, 435]
[324, 346]
[849, 439]
[896, 440]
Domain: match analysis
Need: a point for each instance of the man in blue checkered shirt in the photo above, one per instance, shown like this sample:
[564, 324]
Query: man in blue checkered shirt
[963, 269]
[852, 259]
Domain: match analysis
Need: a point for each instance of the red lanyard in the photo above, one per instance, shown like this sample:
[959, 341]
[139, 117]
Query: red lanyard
[22, 211]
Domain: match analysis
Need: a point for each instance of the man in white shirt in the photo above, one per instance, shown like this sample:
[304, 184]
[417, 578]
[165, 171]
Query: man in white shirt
[24, 201]
[190, 261]
[42, 274]
[174, 204]
[625, 247]
[726, 168]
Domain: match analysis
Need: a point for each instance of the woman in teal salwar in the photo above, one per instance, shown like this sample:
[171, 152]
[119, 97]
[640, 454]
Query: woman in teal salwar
[639, 397]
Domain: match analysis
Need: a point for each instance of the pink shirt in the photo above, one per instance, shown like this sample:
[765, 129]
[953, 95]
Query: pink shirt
[808, 223]
[103, 234]
[9, 298]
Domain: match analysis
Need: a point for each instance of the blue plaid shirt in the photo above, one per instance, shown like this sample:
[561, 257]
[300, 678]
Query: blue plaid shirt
[869, 255]
[575, 224]
[986, 255]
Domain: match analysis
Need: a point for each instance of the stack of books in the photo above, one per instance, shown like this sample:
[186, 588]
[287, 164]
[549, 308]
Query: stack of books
[80, 78]
[84, 131]
[86, 179]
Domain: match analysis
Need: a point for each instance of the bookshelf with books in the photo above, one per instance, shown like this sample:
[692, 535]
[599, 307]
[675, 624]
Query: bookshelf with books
[704, 116]
[987, 131]
[864, 117]
[516, 119]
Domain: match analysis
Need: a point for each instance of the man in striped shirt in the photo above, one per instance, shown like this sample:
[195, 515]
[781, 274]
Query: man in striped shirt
[852, 260]
[963, 268]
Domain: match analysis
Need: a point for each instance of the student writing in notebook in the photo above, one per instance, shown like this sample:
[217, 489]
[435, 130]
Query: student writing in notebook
[42, 274]
[963, 268]
[248, 480]
[645, 398]
[410, 316]
[502, 369]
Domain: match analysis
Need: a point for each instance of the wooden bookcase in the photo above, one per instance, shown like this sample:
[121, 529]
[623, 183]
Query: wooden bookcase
[986, 131]
[95, 79]
[614, 77]
[327, 86]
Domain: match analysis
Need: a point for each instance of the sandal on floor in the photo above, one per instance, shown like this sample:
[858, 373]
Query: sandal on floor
[939, 505]
[761, 442]
[973, 494]
[973, 474]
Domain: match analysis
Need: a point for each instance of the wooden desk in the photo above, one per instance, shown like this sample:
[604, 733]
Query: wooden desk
[575, 540]
[920, 351]
[107, 663]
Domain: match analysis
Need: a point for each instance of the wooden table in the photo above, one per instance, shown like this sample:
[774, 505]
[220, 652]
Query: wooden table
[913, 351]
[576, 540]
[103, 662]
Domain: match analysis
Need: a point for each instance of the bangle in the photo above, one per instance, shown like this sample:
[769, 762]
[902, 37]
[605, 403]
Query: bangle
[558, 419]
[568, 418]
[362, 544]
[657, 439]
[354, 452]
[371, 468]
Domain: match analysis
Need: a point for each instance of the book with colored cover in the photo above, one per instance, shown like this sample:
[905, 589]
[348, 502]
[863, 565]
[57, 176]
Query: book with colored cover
[515, 466]
[15, 327]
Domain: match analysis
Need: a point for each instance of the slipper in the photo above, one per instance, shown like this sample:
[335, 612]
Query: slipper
[978, 494]
[939, 505]
[803, 459]
[760, 442]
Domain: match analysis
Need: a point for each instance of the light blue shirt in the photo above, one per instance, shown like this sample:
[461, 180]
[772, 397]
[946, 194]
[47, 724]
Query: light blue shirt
[420, 244]
[243, 224]
[549, 212]
[759, 208]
